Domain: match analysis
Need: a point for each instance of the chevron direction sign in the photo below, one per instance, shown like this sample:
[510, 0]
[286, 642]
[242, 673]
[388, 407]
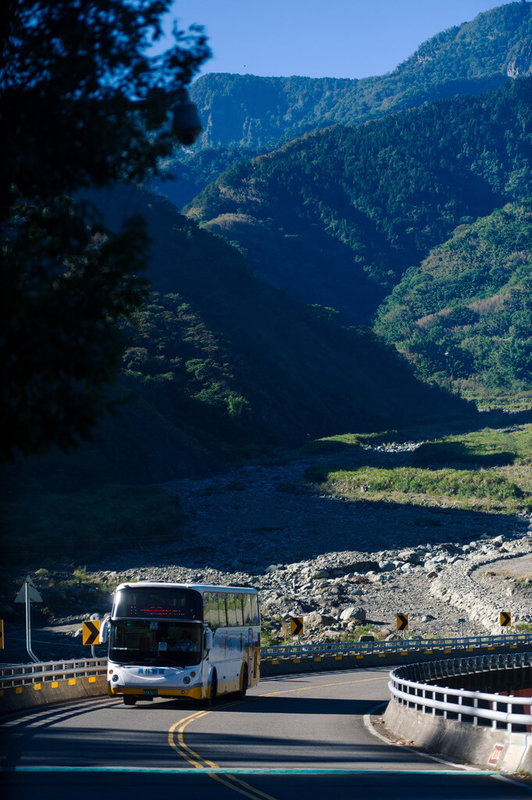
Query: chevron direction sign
[402, 622]
[91, 631]
[505, 618]
[296, 626]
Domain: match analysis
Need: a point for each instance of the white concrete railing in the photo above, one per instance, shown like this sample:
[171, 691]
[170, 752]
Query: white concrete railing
[394, 645]
[462, 704]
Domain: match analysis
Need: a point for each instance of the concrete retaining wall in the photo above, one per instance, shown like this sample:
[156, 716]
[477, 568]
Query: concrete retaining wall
[17, 698]
[487, 747]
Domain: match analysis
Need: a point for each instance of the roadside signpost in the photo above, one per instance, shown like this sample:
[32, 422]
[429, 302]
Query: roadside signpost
[461, 621]
[26, 594]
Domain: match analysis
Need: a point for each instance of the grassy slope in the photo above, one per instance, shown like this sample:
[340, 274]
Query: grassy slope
[488, 471]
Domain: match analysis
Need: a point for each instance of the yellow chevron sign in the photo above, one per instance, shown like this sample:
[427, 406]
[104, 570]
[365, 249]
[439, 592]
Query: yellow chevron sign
[505, 618]
[402, 622]
[296, 626]
[91, 631]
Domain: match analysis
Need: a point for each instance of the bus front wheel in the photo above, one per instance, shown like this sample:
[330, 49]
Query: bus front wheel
[129, 699]
[213, 689]
[244, 683]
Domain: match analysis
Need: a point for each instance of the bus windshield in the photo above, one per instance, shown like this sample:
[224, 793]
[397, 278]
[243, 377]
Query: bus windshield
[155, 642]
[151, 602]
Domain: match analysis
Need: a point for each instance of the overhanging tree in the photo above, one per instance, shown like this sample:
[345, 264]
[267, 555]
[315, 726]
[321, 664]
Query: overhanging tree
[83, 104]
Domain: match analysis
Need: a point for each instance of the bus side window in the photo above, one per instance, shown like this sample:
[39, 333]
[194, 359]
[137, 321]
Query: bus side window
[248, 617]
[210, 610]
[254, 609]
[222, 614]
[231, 609]
[238, 609]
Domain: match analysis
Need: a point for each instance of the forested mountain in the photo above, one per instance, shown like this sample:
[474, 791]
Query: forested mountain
[464, 316]
[337, 216]
[254, 112]
[245, 115]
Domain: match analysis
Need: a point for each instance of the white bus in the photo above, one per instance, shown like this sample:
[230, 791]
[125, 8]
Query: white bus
[182, 640]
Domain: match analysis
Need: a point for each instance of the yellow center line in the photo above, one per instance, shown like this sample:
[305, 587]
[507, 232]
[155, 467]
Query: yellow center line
[193, 758]
[231, 781]
[322, 686]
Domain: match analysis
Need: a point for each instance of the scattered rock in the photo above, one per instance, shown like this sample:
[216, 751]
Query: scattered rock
[351, 614]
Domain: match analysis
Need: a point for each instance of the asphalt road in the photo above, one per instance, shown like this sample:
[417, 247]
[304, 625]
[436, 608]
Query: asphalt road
[298, 736]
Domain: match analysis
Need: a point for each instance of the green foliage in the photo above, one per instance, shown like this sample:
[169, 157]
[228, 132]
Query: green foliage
[83, 104]
[464, 316]
[238, 362]
[88, 524]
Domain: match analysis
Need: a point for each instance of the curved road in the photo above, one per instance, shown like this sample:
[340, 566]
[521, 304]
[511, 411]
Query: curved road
[297, 736]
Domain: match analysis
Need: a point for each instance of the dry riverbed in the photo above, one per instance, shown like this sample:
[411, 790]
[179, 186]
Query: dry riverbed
[335, 561]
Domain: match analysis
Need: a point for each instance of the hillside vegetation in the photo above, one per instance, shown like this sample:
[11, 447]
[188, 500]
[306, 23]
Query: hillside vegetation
[228, 357]
[338, 216]
[464, 316]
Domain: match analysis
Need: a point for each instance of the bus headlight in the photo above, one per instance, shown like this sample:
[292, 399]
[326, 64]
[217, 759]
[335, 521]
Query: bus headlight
[186, 679]
[114, 678]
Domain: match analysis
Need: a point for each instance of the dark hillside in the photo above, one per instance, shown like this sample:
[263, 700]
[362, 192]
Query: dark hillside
[222, 366]
[238, 361]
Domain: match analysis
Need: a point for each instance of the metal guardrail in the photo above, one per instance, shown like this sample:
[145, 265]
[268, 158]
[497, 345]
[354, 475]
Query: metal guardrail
[392, 646]
[21, 674]
[477, 708]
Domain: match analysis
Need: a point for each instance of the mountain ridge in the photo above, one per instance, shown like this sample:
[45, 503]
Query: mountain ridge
[245, 115]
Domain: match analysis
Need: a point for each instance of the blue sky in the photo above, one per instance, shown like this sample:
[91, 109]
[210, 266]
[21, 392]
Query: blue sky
[320, 38]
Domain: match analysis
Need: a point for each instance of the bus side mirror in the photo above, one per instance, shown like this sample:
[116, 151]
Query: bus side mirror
[208, 639]
[104, 629]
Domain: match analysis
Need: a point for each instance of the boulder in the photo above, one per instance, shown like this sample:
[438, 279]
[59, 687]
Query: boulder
[352, 613]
